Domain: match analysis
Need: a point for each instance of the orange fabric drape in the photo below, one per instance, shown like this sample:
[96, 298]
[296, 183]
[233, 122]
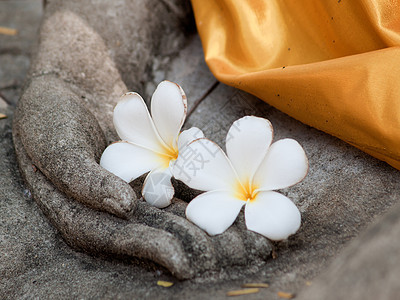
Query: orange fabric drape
[334, 65]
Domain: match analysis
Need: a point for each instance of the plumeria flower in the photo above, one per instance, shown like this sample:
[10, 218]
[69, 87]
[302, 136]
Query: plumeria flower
[150, 143]
[247, 175]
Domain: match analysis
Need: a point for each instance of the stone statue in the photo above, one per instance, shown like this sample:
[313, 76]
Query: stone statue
[63, 122]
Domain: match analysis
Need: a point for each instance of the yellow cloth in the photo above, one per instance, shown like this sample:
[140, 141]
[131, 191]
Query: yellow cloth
[334, 65]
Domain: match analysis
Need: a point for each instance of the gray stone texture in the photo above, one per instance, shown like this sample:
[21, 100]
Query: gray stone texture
[63, 123]
[24, 16]
[91, 52]
[368, 268]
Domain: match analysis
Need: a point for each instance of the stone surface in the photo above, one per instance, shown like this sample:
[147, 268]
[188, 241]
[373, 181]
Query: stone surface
[12, 75]
[24, 16]
[185, 69]
[135, 49]
[367, 268]
[62, 125]
[344, 192]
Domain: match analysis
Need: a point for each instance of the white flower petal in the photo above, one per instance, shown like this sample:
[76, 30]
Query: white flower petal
[157, 188]
[188, 136]
[272, 215]
[284, 165]
[134, 124]
[247, 143]
[214, 211]
[204, 166]
[128, 161]
[168, 109]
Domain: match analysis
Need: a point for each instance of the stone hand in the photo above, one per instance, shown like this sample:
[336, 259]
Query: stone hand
[63, 123]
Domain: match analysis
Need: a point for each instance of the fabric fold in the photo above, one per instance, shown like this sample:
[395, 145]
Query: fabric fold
[333, 65]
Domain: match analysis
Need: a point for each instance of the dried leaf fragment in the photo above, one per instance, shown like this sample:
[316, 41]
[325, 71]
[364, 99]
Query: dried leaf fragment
[165, 283]
[8, 31]
[255, 285]
[243, 292]
[3, 116]
[285, 295]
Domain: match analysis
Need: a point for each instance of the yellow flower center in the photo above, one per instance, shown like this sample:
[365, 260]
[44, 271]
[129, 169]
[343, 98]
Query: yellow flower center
[170, 154]
[246, 191]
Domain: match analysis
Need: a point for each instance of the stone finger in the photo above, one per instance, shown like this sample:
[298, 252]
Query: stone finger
[101, 233]
[64, 141]
[196, 243]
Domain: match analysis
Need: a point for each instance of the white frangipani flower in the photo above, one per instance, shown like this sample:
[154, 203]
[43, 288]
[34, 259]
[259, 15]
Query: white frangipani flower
[150, 143]
[247, 175]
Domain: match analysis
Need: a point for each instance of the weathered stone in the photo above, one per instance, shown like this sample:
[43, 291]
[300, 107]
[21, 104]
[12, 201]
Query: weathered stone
[185, 69]
[134, 33]
[12, 75]
[16, 49]
[344, 191]
[368, 268]
[3, 104]
[59, 125]
[24, 16]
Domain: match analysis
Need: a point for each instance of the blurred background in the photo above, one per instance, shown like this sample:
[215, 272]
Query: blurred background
[19, 23]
